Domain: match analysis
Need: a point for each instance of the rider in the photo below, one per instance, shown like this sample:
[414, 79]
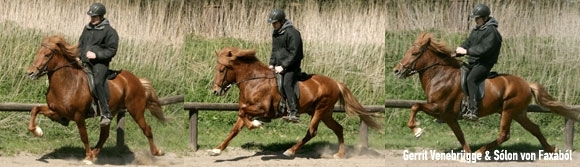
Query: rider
[97, 46]
[482, 46]
[286, 58]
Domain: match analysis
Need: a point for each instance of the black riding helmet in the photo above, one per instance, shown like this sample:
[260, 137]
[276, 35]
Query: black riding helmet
[480, 10]
[97, 9]
[276, 15]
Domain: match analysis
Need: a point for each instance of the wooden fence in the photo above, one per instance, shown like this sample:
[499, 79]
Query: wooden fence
[194, 109]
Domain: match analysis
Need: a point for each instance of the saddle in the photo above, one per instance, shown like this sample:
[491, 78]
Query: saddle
[481, 86]
[111, 74]
[283, 104]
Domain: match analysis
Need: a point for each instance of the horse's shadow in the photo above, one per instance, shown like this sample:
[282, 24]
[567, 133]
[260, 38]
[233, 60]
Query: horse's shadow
[312, 150]
[115, 155]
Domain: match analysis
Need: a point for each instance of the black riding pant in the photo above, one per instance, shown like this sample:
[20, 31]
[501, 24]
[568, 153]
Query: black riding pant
[477, 74]
[101, 86]
[289, 81]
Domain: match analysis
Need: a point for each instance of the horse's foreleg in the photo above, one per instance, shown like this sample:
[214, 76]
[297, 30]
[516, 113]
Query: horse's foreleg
[454, 125]
[44, 110]
[243, 114]
[235, 130]
[37, 131]
[103, 135]
[89, 156]
[412, 124]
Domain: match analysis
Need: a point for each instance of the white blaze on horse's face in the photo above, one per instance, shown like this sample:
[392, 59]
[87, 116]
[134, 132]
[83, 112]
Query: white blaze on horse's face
[39, 66]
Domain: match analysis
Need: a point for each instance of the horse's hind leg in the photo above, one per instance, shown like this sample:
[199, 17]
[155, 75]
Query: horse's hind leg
[504, 132]
[138, 114]
[535, 130]
[338, 130]
[312, 130]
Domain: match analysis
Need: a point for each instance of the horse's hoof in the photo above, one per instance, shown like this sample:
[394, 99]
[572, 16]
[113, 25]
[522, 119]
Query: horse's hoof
[159, 153]
[338, 156]
[289, 153]
[418, 132]
[256, 124]
[87, 162]
[214, 152]
[38, 132]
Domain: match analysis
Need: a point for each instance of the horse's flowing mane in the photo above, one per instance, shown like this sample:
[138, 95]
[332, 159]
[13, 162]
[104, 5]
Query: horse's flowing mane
[247, 56]
[439, 47]
[57, 43]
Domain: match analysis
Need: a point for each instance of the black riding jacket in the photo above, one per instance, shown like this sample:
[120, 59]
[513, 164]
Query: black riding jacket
[102, 39]
[484, 43]
[286, 47]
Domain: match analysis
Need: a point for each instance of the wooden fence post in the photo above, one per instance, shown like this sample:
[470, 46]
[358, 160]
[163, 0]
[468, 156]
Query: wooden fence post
[193, 128]
[121, 129]
[569, 134]
[364, 135]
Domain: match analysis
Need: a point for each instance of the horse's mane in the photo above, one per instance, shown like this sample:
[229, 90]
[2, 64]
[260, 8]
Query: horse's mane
[439, 47]
[57, 43]
[247, 56]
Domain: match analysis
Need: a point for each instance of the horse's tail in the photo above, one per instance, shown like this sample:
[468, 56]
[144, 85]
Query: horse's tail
[353, 107]
[153, 103]
[545, 100]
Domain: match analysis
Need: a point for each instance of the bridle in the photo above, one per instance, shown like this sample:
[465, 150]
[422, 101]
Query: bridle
[410, 70]
[44, 69]
[226, 85]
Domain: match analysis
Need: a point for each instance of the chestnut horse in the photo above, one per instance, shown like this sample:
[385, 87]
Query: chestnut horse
[259, 98]
[69, 98]
[505, 94]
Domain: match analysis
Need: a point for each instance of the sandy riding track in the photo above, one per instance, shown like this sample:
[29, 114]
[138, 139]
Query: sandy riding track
[242, 157]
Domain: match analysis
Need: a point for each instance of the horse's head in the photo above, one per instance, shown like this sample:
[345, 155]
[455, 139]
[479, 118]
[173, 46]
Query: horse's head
[54, 53]
[423, 54]
[225, 74]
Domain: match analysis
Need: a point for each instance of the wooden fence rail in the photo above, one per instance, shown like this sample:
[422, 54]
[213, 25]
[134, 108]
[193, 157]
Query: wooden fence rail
[568, 131]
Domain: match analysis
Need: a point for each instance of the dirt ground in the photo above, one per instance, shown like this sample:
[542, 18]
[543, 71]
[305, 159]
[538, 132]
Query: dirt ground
[242, 157]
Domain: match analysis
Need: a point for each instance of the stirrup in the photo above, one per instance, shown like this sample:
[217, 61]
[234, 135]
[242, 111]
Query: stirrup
[291, 118]
[105, 121]
[470, 116]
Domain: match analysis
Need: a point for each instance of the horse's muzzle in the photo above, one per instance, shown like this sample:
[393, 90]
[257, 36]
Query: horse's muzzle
[400, 73]
[33, 75]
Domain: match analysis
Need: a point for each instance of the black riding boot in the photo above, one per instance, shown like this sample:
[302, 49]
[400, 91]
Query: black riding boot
[293, 115]
[102, 92]
[106, 114]
[471, 114]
